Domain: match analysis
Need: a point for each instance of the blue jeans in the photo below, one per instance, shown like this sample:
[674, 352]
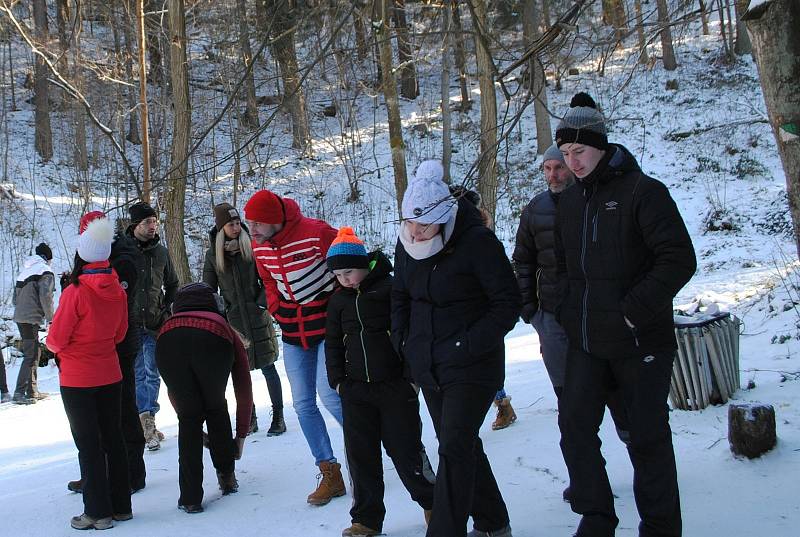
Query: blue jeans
[148, 380]
[308, 377]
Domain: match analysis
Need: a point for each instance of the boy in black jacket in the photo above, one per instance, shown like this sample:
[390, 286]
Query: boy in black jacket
[378, 403]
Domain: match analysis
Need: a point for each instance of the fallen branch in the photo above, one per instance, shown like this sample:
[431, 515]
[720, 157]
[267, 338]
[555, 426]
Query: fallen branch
[682, 135]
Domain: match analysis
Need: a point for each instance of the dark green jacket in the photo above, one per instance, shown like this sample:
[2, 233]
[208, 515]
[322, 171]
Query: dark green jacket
[245, 302]
[156, 284]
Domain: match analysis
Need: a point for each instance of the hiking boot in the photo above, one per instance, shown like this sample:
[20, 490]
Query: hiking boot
[227, 482]
[331, 484]
[122, 517]
[5, 397]
[566, 495]
[502, 532]
[75, 486]
[253, 423]
[20, 399]
[151, 439]
[85, 522]
[359, 530]
[505, 414]
[159, 434]
[39, 396]
[191, 509]
[278, 426]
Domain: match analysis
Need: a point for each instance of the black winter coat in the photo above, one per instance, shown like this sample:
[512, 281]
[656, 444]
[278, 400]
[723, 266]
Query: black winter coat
[358, 343]
[534, 255]
[245, 302]
[156, 284]
[450, 312]
[124, 254]
[625, 250]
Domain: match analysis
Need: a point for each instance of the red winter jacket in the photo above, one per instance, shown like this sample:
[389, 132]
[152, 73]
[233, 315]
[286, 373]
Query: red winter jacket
[91, 319]
[296, 277]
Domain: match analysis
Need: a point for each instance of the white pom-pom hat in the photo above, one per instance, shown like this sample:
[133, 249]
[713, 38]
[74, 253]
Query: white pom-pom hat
[94, 244]
[427, 199]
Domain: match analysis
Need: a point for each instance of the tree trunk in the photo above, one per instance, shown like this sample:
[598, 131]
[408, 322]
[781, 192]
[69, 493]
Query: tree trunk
[143, 109]
[153, 28]
[62, 22]
[133, 118]
[614, 15]
[667, 51]
[79, 113]
[487, 166]
[537, 81]
[447, 149]
[360, 31]
[249, 86]
[743, 45]
[408, 72]
[175, 194]
[389, 84]
[704, 16]
[643, 56]
[775, 35]
[546, 13]
[460, 57]
[43, 134]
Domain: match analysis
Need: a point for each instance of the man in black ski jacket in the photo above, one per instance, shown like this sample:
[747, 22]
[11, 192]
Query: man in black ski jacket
[624, 252]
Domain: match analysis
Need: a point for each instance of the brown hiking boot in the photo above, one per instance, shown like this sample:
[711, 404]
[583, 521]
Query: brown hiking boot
[151, 438]
[331, 484]
[505, 414]
[227, 483]
[359, 530]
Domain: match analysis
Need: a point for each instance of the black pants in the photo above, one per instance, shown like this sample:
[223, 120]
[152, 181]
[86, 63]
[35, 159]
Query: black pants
[131, 425]
[195, 365]
[94, 418]
[465, 485]
[385, 412]
[643, 385]
[27, 377]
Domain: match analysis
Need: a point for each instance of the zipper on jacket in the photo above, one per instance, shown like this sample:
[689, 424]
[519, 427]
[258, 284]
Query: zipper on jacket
[361, 334]
[594, 228]
[584, 313]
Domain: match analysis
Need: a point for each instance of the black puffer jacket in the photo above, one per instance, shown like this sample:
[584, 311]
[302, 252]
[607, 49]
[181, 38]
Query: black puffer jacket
[156, 284]
[450, 312]
[245, 302]
[358, 344]
[626, 253]
[534, 255]
[124, 255]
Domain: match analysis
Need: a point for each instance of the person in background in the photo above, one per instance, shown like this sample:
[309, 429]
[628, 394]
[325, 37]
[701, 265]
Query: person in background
[5, 397]
[91, 320]
[290, 254]
[378, 403]
[454, 298]
[197, 351]
[623, 252]
[123, 260]
[155, 289]
[33, 307]
[230, 267]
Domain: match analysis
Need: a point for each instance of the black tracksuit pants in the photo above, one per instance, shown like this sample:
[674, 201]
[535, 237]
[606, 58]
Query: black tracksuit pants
[465, 485]
[195, 365]
[131, 425]
[643, 386]
[387, 412]
[94, 418]
[28, 372]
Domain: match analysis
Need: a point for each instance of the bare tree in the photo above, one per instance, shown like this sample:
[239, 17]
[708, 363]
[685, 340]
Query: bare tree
[41, 96]
[175, 193]
[249, 87]
[447, 149]
[460, 56]
[536, 78]
[389, 85]
[742, 45]
[667, 50]
[775, 33]
[409, 87]
[127, 32]
[643, 56]
[487, 166]
[143, 107]
[79, 114]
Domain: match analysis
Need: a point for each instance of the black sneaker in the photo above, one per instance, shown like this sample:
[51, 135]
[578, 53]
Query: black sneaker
[22, 400]
[191, 509]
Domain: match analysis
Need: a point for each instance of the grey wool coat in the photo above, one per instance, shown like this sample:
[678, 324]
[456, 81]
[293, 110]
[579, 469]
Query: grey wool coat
[245, 302]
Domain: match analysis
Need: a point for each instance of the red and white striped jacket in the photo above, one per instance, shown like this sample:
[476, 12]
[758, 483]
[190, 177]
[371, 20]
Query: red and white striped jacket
[296, 278]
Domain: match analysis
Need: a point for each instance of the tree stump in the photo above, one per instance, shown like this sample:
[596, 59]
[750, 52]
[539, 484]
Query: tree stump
[751, 429]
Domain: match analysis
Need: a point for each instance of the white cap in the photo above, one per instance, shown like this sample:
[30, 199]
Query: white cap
[427, 199]
[94, 244]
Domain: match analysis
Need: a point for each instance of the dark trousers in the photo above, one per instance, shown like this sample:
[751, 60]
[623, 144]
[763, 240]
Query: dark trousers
[385, 412]
[465, 485]
[3, 382]
[131, 425]
[26, 379]
[273, 385]
[195, 365]
[94, 419]
[642, 383]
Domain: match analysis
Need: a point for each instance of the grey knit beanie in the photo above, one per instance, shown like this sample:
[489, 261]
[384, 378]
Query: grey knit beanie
[582, 124]
[553, 153]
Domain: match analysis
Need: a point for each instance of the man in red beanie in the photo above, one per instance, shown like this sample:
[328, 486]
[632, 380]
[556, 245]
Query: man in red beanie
[124, 255]
[290, 251]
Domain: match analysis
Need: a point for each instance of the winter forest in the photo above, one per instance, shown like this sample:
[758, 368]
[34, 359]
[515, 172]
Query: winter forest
[186, 104]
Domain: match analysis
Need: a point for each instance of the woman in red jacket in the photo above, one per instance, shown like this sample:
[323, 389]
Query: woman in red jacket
[91, 319]
[196, 352]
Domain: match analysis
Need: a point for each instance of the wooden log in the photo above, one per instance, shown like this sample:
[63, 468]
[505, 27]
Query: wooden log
[751, 429]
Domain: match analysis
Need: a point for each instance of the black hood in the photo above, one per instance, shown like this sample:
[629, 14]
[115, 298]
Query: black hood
[467, 216]
[381, 269]
[616, 162]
